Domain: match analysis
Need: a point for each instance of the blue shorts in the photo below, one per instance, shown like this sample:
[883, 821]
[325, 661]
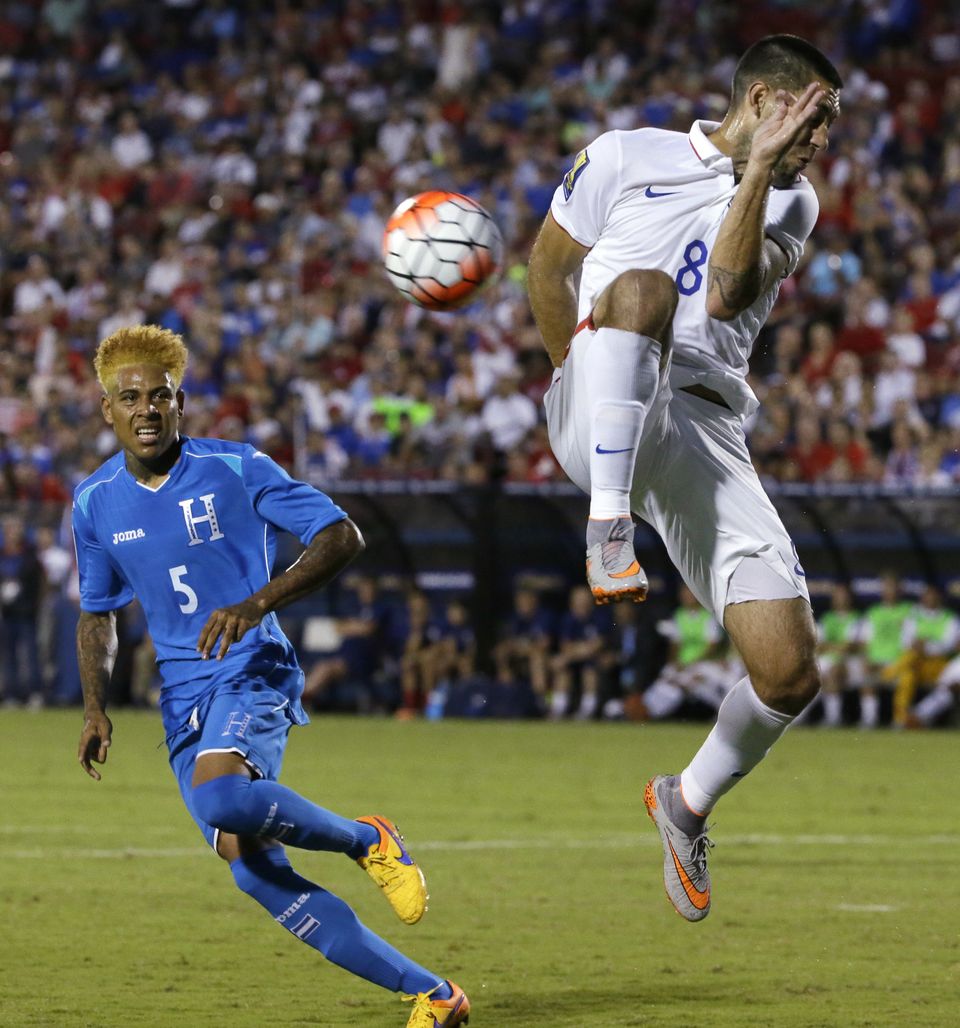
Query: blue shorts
[252, 722]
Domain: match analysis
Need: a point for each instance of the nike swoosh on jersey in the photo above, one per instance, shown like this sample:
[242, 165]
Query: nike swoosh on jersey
[600, 449]
[651, 195]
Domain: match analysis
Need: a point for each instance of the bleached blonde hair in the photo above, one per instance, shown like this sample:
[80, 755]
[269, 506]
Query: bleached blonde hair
[140, 344]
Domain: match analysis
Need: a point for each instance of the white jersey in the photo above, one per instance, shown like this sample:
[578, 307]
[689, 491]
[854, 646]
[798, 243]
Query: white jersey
[650, 198]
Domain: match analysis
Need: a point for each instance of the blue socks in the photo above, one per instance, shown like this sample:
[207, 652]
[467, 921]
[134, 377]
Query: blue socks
[234, 803]
[326, 923]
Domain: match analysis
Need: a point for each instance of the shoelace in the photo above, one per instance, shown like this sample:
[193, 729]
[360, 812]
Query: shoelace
[422, 1008]
[386, 869]
[616, 551]
[698, 851]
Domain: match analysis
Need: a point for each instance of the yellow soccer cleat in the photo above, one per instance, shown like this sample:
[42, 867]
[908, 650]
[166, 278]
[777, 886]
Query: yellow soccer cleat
[393, 869]
[439, 1013]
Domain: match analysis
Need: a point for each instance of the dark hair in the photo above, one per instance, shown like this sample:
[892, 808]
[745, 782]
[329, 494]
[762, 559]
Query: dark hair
[784, 62]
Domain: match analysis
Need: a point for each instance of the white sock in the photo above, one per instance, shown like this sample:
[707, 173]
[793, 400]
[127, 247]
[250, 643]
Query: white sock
[558, 704]
[832, 708]
[932, 706]
[588, 705]
[869, 711]
[746, 728]
[622, 374]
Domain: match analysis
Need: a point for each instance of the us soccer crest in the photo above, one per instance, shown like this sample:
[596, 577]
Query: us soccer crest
[570, 179]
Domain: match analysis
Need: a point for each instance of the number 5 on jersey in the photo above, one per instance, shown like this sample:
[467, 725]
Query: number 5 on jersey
[190, 601]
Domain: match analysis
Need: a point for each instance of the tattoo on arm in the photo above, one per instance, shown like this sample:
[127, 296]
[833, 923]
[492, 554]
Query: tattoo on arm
[96, 653]
[327, 555]
[737, 289]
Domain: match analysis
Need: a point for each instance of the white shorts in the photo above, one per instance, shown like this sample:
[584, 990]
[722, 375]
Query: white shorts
[694, 483]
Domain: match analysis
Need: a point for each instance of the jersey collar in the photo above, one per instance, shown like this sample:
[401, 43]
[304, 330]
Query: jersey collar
[707, 153]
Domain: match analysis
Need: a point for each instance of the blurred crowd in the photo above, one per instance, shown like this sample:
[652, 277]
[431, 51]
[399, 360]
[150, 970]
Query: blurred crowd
[224, 168]
[888, 657]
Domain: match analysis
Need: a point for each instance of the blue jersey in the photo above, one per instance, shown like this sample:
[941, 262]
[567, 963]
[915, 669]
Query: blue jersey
[205, 538]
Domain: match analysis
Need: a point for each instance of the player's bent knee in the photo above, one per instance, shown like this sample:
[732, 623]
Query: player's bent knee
[640, 300]
[792, 689]
[232, 847]
[221, 802]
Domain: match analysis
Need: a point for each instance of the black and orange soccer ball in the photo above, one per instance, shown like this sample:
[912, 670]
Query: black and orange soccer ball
[440, 249]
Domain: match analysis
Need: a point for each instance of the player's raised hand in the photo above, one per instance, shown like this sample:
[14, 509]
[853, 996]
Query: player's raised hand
[790, 118]
[229, 625]
[94, 742]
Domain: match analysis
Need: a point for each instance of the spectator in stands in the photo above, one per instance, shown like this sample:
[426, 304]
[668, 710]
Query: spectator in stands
[507, 414]
[582, 657]
[931, 638]
[693, 667]
[354, 676]
[237, 193]
[456, 645]
[21, 585]
[940, 701]
[56, 562]
[418, 663]
[883, 645]
[526, 639]
[839, 631]
[636, 652]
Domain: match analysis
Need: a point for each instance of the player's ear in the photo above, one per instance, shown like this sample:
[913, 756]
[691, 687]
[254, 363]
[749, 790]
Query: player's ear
[180, 399]
[105, 409]
[758, 95]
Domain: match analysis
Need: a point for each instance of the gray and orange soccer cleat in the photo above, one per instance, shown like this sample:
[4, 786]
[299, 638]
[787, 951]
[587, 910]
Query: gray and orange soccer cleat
[685, 875]
[613, 571]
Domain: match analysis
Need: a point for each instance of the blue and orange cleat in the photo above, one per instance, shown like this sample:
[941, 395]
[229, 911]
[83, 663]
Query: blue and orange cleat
[439, 1013]
[393, 869]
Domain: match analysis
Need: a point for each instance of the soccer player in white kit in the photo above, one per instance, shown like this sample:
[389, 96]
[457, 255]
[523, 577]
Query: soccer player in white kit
[681, 241]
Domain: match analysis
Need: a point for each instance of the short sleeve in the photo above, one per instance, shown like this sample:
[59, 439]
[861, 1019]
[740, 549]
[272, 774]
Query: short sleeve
[285, 502]
[791, 215]
[102, 588]
[584, 198]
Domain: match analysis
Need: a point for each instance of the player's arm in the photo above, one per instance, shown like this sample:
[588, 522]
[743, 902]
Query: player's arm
[745, 263]
[555, 259]
[328, 553]
[96, 654]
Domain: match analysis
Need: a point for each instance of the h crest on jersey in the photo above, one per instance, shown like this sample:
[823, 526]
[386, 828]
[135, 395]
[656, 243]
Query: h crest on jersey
[192, 520]
[570, 179]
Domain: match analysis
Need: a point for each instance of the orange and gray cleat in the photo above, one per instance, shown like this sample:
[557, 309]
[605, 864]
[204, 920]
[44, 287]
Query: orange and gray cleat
[439, 1013]
[393, 869]
[613, 571]
[685, 875]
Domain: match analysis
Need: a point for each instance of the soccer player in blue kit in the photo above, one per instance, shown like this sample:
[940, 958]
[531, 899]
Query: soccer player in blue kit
[188, 526]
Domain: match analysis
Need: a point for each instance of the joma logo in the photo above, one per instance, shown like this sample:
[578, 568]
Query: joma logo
[125, 537]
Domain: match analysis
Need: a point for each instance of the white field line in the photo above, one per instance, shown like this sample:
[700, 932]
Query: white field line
[866, 908]
[647, 840]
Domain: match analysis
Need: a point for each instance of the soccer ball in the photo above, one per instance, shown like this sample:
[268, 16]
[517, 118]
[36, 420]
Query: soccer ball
[440, 249]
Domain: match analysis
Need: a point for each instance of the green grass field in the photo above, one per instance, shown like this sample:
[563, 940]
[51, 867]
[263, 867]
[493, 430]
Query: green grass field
[836, 885]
